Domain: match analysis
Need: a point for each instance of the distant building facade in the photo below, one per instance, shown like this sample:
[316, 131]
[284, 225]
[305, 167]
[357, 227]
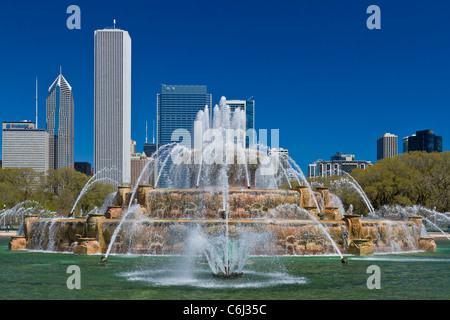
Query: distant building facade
[387, 146]
[424, 140]
[138, 164]
[24, 146]
[248, 106]
[338, 164]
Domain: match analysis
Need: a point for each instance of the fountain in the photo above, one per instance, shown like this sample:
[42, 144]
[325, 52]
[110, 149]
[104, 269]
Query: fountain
[93, 180]
[222, 202]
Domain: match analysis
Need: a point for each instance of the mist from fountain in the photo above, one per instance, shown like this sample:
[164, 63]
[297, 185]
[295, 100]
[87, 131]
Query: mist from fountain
[354, 184]
[109, 201]
[141, 176]
[401, 213]
[434, 225]
[16, 214]
[297, 170]
[88, 186]
[361, 192]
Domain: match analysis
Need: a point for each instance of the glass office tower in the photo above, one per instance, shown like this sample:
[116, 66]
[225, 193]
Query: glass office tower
[60, 124]
[177, 108]
[424, 140]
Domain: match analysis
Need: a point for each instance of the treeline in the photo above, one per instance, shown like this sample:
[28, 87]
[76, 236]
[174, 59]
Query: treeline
[56, 191]
[416, 178]
[413, 178]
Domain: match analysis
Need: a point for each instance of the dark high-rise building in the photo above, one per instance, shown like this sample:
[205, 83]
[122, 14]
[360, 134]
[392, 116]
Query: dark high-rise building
[424, 140]
[149, 149]
[83, 167]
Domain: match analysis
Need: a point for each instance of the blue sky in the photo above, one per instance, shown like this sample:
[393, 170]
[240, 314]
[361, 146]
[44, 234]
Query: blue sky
[317, 73]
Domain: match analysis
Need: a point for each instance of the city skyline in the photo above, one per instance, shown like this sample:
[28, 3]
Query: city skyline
[307, 87]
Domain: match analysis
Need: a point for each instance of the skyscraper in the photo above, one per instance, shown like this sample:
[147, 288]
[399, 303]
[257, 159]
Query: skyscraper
[424, 140]
[178, 107]
[60, 124]
[83, 167]
[112, 104]
[387, 146]
[249, 108]
[149, 147]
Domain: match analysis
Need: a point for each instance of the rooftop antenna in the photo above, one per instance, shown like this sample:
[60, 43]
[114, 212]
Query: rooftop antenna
[146, 132]
[114, 24]
[153, 131]
[36, 103]
[60, 70]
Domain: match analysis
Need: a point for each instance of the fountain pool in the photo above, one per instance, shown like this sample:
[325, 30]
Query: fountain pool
[31, 275]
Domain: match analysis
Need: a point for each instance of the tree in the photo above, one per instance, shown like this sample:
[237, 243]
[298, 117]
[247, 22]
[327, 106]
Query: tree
[412, 178]
[17, 185]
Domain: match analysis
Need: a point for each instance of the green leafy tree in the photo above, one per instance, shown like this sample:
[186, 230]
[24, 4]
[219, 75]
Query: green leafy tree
[412, 178]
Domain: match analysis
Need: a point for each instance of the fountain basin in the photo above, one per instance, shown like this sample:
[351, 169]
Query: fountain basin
[162, 224]
[285, 236]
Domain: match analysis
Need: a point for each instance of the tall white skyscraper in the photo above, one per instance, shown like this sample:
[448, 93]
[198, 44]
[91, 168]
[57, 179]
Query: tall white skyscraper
[387, 146]
[112, 104]
[60, 124]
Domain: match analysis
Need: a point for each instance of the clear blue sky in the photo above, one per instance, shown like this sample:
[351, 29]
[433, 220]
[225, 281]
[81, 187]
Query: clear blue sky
[315, 70]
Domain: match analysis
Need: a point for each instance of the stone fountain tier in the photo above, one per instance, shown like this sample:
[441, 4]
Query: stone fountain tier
[207, 203]
[165, 236]
[164, 218]
[17, 243]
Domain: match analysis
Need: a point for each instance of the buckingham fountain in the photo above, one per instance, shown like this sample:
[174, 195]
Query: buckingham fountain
[222, 202]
